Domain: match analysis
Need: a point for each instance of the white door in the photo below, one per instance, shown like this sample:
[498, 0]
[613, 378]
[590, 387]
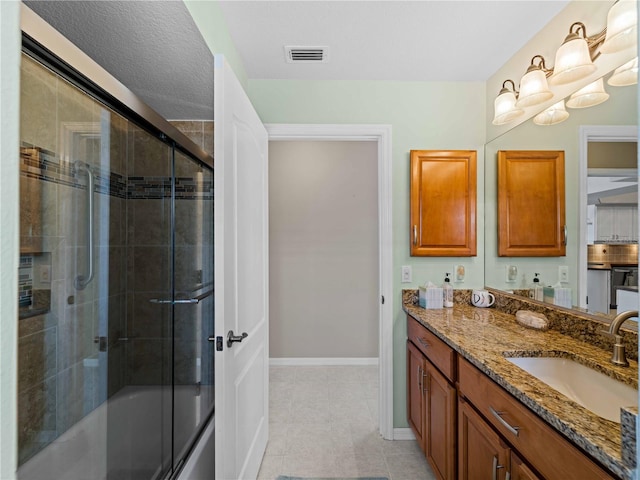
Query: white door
[241, 279]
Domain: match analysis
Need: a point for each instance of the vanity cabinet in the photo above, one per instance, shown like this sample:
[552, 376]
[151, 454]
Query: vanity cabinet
[443, 203]
[482, 454]
[520, 470]
[522, 431]
[431, 398]
[531, 204]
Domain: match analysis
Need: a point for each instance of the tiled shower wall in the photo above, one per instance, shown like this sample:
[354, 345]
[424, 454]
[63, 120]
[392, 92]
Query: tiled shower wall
[57, 367]
[63, 374]
[199, 132]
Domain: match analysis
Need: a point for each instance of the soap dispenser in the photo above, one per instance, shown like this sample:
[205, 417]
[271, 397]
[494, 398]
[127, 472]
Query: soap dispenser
[447, 291]
[536, 291]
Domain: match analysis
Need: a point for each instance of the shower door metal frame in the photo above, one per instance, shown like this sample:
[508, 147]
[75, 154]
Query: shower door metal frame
[46, 45]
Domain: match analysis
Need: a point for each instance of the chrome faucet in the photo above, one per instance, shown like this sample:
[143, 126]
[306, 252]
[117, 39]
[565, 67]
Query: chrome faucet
[619, 354]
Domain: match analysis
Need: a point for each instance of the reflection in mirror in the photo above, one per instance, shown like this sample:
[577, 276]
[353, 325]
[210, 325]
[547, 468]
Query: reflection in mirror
[517, 273]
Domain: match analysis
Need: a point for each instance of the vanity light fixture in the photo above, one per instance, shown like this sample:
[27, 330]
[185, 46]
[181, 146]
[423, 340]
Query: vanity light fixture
[622, 26]
[573, 58]
[534, 89]
[505, 105]
[625, 75]
[573, 62]
[556, 113]
[592, 94]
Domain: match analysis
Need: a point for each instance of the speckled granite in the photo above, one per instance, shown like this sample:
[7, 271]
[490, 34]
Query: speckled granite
[571, 322]
[628, 415]
[485, 336]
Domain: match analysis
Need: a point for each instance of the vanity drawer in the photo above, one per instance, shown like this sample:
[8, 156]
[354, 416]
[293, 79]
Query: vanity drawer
[438, 352]
[544, 448]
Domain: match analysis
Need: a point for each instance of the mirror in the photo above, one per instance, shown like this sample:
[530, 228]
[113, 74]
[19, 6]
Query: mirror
[516, 273]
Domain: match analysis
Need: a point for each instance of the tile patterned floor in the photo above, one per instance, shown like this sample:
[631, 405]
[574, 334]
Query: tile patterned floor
[323, 423]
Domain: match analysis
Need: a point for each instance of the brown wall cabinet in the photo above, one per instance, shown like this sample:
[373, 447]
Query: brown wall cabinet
[443, 203]
[531, 204]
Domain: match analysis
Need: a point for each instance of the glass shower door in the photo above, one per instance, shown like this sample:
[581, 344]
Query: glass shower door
[194, 307]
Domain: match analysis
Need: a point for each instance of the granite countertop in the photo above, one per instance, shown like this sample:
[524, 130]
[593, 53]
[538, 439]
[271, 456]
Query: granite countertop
[485, 336]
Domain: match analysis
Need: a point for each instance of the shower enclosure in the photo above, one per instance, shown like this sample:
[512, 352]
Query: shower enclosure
[116, 286]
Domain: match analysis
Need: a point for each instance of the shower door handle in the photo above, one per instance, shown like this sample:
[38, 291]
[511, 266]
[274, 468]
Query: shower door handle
[193, 300]
[81, 280]
[235, 338]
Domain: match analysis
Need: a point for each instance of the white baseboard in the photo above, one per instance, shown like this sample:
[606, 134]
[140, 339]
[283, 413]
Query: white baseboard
[321, 361]
[403, 434]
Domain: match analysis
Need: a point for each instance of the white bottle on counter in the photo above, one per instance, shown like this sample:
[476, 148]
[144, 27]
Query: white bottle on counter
[447, 292]
[536, 292]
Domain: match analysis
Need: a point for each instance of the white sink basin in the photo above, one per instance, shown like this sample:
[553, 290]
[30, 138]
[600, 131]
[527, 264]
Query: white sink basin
[593, 390]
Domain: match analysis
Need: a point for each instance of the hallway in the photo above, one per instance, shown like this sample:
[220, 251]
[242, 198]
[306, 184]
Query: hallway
[323, 422]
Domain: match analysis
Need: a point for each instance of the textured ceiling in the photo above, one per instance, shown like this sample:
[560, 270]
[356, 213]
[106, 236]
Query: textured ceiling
[156, 50]
[152, 47]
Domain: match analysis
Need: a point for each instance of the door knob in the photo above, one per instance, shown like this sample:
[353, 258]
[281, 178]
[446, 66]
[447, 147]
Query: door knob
[235, 338]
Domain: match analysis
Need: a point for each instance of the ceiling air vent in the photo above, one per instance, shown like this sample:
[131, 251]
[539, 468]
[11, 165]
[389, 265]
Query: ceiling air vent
[306, 54]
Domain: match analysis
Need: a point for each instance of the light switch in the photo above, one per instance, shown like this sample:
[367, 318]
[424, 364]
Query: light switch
[563, 273]
[406, 274]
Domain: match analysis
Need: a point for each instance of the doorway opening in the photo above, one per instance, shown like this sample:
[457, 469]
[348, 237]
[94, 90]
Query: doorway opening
[590, 134]
[381, 134]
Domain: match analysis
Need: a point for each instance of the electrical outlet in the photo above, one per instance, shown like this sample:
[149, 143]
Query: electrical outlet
[511, 273]
[45, 273]
[406, 274]
[458, 273]
[563, 273]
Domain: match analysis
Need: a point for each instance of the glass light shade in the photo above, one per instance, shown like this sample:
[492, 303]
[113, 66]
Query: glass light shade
[573, 61]
[534, 89]
[556, 113]
[622, 27]
[592, 94]
[625, 75]
[505, 108]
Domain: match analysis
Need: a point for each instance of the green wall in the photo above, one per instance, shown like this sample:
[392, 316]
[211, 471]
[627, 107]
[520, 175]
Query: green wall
[619, 109]
[423, 115]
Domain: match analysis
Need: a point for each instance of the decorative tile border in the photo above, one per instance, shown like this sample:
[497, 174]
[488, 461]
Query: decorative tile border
[43, 165]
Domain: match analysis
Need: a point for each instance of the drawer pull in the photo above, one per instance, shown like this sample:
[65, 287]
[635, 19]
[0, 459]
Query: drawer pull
[496, 467]
[420, 378]
[498, 415]
[424, 384]
[422, 342]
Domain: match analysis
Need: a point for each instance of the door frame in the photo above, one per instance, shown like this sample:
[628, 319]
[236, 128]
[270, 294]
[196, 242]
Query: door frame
[593, 133]
[382, 135]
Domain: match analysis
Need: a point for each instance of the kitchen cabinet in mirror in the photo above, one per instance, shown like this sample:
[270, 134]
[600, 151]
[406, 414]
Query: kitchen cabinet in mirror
[531, 203]
[443, 203]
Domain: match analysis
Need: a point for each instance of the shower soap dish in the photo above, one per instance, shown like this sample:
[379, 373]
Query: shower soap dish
[530, 319]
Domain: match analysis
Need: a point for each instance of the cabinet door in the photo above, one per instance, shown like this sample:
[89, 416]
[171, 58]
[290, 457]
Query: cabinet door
[443, 203]
[481, 454]
[520, 470]
[440, 424]
[531, 204]
[605, 220]
[415, 391]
